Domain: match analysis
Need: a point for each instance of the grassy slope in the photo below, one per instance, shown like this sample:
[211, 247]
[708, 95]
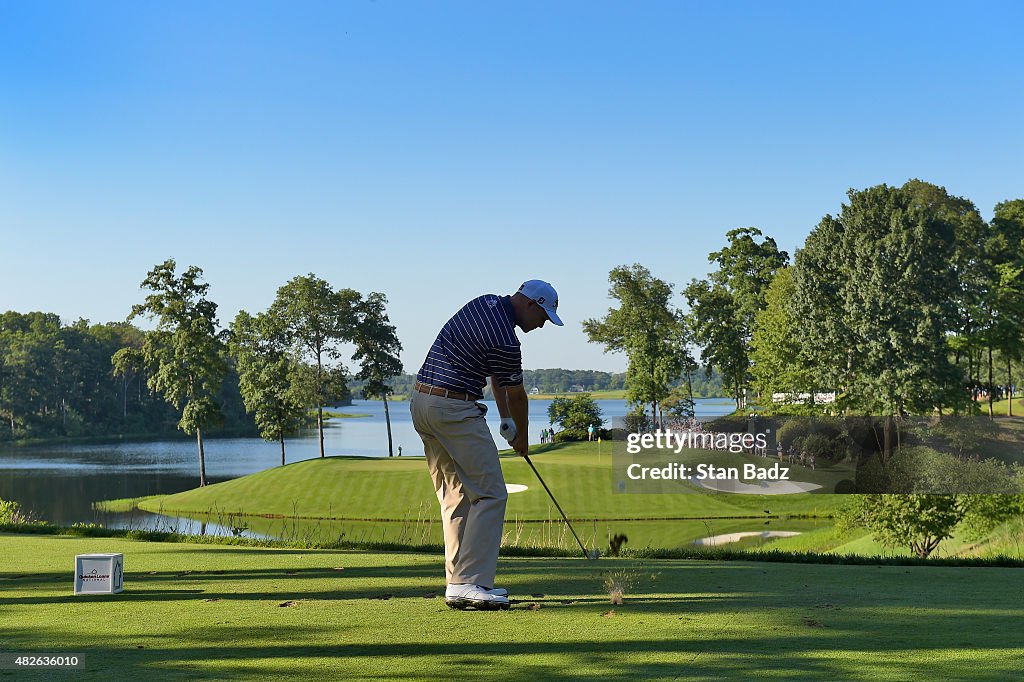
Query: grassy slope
[364, 488]
[683, 620]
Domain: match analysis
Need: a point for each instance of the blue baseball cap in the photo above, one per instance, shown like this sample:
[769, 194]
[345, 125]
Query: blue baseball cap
[544, 295]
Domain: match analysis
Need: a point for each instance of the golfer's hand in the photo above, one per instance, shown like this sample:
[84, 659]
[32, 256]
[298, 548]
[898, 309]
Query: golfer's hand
[521, 445]
[508, 429]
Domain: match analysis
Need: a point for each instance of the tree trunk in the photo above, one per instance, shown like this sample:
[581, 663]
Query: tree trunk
[1009, 386]
[886, 439]
[319, 400]
[991, 412]
[282, 448]
[202, 458]
[970, 379]
[320, 425]
[387, 418]
[689, 394]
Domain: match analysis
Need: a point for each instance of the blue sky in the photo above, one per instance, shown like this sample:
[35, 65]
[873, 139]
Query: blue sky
[435, 151]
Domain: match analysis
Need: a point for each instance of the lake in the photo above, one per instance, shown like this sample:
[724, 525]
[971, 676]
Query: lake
[61, 482]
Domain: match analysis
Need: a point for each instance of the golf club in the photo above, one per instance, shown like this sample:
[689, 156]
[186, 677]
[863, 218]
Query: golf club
[587, 554]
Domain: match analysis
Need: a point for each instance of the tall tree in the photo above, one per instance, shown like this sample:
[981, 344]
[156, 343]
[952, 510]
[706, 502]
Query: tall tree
[1005, 254]
[712, 317]
[876, 297]
[267, 377]
[377, 351]
[184, 353]
[779, 361]
[723, 308]
[316, 318]
[647, 328]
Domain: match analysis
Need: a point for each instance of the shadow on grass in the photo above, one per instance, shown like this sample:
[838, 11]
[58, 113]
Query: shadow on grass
[713, 621]
[817, 653]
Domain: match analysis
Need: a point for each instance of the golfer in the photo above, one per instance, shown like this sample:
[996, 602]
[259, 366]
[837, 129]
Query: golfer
[477, 343]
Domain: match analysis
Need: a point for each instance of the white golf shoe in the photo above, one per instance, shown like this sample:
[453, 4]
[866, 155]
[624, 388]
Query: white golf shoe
[476, 597]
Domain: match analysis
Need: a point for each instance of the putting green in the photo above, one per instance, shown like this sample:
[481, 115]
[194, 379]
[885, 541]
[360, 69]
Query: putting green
[213, 612]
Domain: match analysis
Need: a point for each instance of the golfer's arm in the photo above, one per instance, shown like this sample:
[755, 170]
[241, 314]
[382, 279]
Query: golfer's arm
[518, 407]
[500, 398]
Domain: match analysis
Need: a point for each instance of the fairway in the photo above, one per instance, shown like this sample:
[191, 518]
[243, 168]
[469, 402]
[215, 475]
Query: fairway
[217, 612]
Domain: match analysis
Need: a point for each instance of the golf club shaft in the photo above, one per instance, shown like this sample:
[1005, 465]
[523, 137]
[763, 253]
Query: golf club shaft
[586, 554]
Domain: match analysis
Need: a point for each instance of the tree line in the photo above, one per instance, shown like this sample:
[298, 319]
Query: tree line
[557, 380]
[56, 380]
[267, 370]
[904, 302]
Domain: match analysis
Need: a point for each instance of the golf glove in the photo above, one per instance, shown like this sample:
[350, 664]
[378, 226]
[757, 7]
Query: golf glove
[508, 429]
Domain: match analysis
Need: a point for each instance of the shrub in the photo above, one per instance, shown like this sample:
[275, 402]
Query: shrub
[790, 431]
[569, 435]
[575, 414]
[822, 447]
[12, 513]
[637, 421]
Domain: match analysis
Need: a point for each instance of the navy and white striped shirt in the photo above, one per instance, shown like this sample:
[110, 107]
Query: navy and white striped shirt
[479, 340]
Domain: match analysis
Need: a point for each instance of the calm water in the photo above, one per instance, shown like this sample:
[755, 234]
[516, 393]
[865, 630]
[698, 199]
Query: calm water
[60, 483]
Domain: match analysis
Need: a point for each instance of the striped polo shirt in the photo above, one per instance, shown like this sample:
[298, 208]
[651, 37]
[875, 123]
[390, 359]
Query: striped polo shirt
[479, 340]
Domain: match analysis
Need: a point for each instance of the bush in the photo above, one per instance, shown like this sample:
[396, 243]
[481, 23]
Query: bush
[637, 421]
[791, 431]
[11, 513]
[820, 437]
[575, 414]
[570, 435]
[822, 447]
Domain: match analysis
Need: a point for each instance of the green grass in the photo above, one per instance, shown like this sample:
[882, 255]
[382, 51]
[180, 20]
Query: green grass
[330, 414]
[357, 488]
[1001, 407]
[604, 394]
[231, 613]
[125, 504]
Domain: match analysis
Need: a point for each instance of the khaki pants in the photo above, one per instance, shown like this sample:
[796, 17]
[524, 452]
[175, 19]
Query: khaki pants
[463, 463]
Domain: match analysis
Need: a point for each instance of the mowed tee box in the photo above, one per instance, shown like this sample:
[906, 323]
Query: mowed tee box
[99, 573]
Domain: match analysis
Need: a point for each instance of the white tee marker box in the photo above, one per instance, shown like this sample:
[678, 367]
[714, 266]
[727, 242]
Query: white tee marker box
[99, 573]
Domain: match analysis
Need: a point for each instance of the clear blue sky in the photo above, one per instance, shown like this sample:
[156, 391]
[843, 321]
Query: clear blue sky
[435, 151]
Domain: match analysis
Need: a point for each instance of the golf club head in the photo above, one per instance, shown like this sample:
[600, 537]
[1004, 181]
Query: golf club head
[593, 554]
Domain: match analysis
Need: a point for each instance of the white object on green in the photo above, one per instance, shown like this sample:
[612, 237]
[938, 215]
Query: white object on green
[99, 573]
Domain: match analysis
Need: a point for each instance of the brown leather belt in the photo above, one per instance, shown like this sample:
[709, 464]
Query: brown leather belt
[444, 392]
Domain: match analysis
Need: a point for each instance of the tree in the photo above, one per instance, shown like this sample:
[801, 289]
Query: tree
[778, 361]
[647, 328]
[267, 377]
[723, 308]
[315, 319]
[876, 294]
[184, 353]
[1005, 253]
[712, 317]
[921, 522]
[377, 351]
[575, 415]
[127, 360]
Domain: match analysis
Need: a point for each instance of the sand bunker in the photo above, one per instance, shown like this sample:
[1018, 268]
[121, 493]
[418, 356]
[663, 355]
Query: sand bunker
[515, 488]
[760, 488]
[736, 537]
